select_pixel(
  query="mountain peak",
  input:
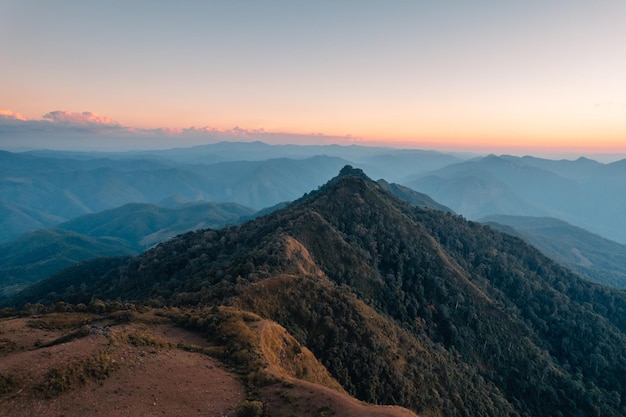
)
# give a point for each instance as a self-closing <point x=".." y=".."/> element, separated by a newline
<point x="349" y="170"/>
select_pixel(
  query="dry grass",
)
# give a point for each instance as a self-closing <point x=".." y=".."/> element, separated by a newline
<point x="302" y="398"/>
<point x="60" y="321"/>
<point x="288" y="359"/>
<point x="68" y="377"/>
<point x="148" y="362"/>
<point x="125" y="370"/>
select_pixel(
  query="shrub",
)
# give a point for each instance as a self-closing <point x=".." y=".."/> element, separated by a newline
<point x="63" y="379"/>
<point x="249" y="408"/>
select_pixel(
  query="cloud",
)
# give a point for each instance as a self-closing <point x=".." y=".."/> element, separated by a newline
<point x="91" y="131"/>
<point x="611" y="105"/>
<point x="61" y="130"/>
<point x="206" y="130"/>
<point x="11" y="115"/>
<point x="83" y="119"/>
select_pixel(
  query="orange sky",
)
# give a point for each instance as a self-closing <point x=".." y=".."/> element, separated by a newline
<point x="477" y="75"/>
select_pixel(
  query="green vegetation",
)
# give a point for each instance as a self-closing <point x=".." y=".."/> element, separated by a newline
<point x="141" y="226"/>
<point x="249" y="409"/>
<point x="593" y="257"/>
<point x="403" y="305"/>
<point x="142" y="339"/>
<point x="39" y="254"/>
<point x="126" y="230"/>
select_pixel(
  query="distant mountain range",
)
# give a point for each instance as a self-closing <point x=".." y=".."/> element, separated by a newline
<point x="382" y="162"/>
<point x="127" y="230"/>
<point x="585" y="193"/>
<point x="592" y="256"/>
<point x="399" y="304"/>
<point x="40" y="189"/>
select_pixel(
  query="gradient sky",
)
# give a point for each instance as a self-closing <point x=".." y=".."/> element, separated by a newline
<point x="485" y="75"/>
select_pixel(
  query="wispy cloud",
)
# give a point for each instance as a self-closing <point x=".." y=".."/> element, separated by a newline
<point x="11" y="115"/>
<point x="611" y="105"/>
<point x="87" y="130"/>
<point x="83" y="119"/>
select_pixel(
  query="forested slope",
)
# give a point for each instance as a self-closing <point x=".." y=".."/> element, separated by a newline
<point x="403" y="305"/>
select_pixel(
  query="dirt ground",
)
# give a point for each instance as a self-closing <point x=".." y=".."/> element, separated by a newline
<point x="148" y="380"/>
<point x="149" y="368"/>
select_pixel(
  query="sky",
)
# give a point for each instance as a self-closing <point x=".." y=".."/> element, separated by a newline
<point x="503" y="76"/>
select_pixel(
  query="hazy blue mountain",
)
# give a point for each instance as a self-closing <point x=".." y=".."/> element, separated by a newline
<point x="473" y="194"/>
<point x="381" y="162"/>
<point x="260" y="184"/>
<point x="41" y="191"/>
<point x="36" y="255"/>
<point x="399" y="162"/>
<point x="125" y="230"/>
<point x="54" y="161"/>
<point x="413" y="197"/>
<point x="592" y="256"/>
<point x="585" y="193"/>
<point x="580" y="168"/>
<point x="143" y="225"/>
<point x="63" y="185"/>
<point x="15" y="221"/>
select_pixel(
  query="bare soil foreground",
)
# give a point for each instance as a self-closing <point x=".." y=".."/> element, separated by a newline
<point x="142" y="364"/>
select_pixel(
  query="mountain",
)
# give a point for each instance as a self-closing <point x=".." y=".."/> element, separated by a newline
<point x="144" y="225"/>
<point x="412" y="197"/>
<point x="583" y="192"/>
<point x="392" y="164"/>
<point x="592" y="256"/>
<point x="37" y="255"/>
<point x="41" y="191"/>
<point x="260" y="184"/>
<point x="400" y="304"/>
<point x="19" y="220"/>
<point x="126" y="230"/>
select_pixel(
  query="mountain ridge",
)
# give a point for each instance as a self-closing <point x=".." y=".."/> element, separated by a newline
<point x="585" y="193"/>
<point x="403" y="305"/>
